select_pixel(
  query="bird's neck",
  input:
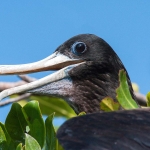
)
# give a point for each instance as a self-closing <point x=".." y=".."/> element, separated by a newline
<point x="91" y="84"/>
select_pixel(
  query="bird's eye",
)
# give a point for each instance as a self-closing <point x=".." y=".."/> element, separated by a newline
<point x="78" y="48"/>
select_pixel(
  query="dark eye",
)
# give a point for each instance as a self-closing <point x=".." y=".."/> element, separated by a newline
<point x="78" y="48"/>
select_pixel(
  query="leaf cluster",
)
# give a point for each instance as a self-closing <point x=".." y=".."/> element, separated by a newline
<point x="25" y="129"/>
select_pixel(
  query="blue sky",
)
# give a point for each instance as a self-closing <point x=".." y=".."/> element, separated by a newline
<point x="32" y="30"/>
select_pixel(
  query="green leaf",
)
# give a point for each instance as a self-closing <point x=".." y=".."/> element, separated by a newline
<point x="82" y="113"/>
<point x="3" y="141"/>
<point x="60" y="147"/>
<point x="19" y="147"/>
<point x="31" y="143"/>
<point x="148" y="99"/>
<point x="49" y="104"/>
<point x="11" y="145"/>
<point x="135" y="87"/>
<point x="51" y="139"/>
<point x="108" y="104"/>
<point x="123" y="94"/>
<point x="35" y="121"/>
<point x="6" y="133"/>
<point x="16" y="124"/>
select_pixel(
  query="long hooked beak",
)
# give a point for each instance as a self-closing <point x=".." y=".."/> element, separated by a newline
<point x="55" y="61"/>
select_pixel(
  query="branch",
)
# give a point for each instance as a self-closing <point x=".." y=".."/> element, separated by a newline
<point x="7" y="85"/>
<point x="26" y="78"/>
<point x="11" y="100"/>
<point x="141" y="99"/>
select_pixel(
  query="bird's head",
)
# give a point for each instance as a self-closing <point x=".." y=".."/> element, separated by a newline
<point x="88" y="72"/>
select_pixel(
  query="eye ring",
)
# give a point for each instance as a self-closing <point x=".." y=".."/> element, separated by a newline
<point x="78" y="48"/>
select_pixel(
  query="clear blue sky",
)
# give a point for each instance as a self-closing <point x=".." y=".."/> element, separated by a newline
<point x="32" y="30"/>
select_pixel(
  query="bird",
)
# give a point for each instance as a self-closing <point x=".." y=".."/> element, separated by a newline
<point x="88" y="71"/>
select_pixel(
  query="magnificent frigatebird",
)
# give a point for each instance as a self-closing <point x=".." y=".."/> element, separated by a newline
<point x="88" y="73"/>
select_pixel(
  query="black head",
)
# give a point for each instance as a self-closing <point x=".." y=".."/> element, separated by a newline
<point x="87" y="47"/>
<point x="98" y="77"/>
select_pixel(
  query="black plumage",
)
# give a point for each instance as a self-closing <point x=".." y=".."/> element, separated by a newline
<point x="121" y="130"/>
